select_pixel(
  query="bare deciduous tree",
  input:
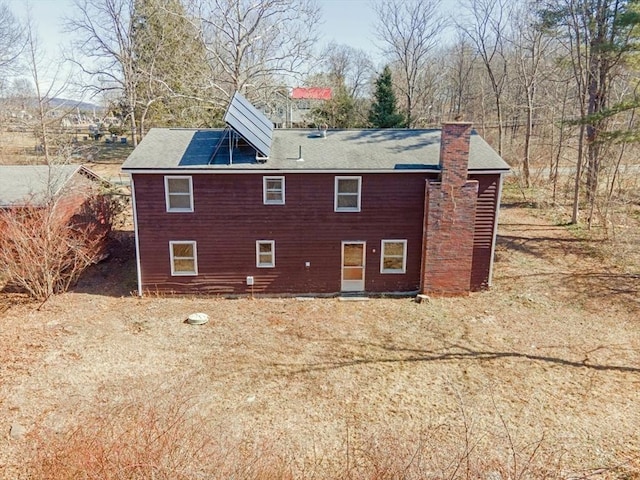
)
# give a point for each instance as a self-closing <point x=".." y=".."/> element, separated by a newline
<point x="486" y="24"/>
<point x="349" y="65"/>
<point x="409" y="32"/>
<point x="596" y="42"/>
<point x="11" y="38"/>
<point x="459" y="69"/>
<point x="530" y="44"/>
<point x="104" y="33"/>
<point x="45" y="246"/>
<point x="256" y="43"/>
<point x="347" y="71"/>
<point x="46" y="114"/>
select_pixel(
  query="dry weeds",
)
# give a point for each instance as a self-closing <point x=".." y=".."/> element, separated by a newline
<point x="538" y="378"/>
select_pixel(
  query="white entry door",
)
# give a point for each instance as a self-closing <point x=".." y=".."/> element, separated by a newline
<point x="353" y="254"/>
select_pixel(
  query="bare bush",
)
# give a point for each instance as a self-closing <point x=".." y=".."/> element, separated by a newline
<point x="44" y="247"/>
<point x="161" y="440"/>
<point x="169" y="438"/>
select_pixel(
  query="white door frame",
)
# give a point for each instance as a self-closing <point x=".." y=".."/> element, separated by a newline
<point x="349" y="285"/>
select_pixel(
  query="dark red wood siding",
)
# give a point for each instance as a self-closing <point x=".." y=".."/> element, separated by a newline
<point x="229" y="216"/>
<point x="486" y="209"/>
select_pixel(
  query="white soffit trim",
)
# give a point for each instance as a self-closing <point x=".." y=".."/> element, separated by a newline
<point x="274" y="172"/>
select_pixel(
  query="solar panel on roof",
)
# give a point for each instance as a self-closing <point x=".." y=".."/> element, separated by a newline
<point x="250" y="123"/>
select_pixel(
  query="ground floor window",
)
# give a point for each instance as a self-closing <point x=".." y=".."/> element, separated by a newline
<point x="183" y="258"/>
<point x="265" y="253"/>
<point x="393" y="256"/>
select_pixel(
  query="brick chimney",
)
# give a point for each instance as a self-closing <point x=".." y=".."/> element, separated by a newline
<point x="454" y="153"/>
<point x="449" y="222"/>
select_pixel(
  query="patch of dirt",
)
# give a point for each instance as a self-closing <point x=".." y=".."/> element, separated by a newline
<point x="549" y="357"/>
<point x="537" y="256"/>
<point x="105" y="159"/>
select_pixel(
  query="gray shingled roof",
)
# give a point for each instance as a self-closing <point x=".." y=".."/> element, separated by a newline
<point x="349" y="150"/>
<point x="32" y="184"/>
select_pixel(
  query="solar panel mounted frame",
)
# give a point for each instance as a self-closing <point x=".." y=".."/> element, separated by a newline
<point x="250" y="123"/>
<point x="218" y="145"/>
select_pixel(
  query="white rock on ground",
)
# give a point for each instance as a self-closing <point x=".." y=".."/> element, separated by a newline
<point x="17" y="431"/>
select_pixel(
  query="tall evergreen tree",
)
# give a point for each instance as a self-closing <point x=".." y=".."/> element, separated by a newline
<point x="171" y="66"/>
<point x="384" y="113"/>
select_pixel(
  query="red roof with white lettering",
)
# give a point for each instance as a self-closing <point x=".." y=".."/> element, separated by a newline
<point x="311" y="93"/>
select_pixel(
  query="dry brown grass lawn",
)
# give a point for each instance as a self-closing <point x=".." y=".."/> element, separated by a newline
<point x="105" y="159"/>
<point x="537" y="378"/>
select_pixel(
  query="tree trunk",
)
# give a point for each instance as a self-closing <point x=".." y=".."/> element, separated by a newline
<point x="499" y="115"/>
<point x="576" y="188"/>
<point x="527" y="139"/>
<point x="553" y="173"/>
<point x="132" y="116"/>
<point x="134" y="132"/>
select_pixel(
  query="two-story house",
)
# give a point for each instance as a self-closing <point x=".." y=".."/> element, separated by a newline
<point x="249" y="209"/>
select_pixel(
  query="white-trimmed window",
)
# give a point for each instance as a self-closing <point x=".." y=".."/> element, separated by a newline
<point x="273" y="190"/>
<point x="178" y="193"/>
<point x="347" y="194"/>
<point x="184" y="258"/>
<point x="265" y="253"/>
<point x="393" y="256"/>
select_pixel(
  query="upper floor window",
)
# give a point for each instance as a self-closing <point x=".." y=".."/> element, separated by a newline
<point x="265" y="253"/>
<point x="393" y="256"/>
<point x="273" y="190"/>
<point x="183" y="258"/>
<point x="347" y="194"/>
<point x="178" y="194"/>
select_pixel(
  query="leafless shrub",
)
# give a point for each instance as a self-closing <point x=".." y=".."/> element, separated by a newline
<point x="44" y="247"/>
<point x="157" y="440"/>
<point x="128" y="444"/>
<point x="452" y="452"/>
<point x="170" y="436"/>
<point x="173" y="441"/>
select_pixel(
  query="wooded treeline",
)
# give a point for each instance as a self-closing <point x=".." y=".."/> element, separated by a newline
<point x="552" y="85"/>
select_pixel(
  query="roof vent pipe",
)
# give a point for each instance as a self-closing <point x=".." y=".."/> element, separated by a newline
<point x="324" y="128"/>
<point x="300" y="159"/>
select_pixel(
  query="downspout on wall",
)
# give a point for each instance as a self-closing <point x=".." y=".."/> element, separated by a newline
<point x="136" y="236"/>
